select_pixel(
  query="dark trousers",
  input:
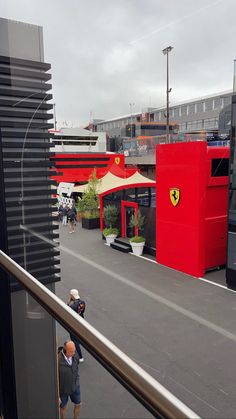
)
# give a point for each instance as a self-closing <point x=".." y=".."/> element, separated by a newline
<point x="77" y="345"/>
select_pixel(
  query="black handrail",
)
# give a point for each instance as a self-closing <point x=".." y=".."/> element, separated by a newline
<point x="156" y="398"/>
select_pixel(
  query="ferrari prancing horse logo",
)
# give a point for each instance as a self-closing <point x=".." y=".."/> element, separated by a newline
<point x="174" y="196"/>
<point x="117" y="160"/>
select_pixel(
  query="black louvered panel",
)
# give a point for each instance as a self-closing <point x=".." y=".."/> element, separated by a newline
<point x="46" y="253"/>
<point x="31" y="217"/>
<point x="27" y="103"/>
<point x="18" y="239"/>
<point x="30" y="134"/>
<point x="25" y="114"/>
<point x="15" y="222"/>
<point x="16" y="174"/>
<point x="21" y="72"/>
<point x="24" y="124"/>
<point x="30" y="182"/>
<point x="30" y="144"/>
<point x="24" y="64"/>
<point x="23" y="94"/>
<point x="30" y="211"/>
<point x="15" y="82"/>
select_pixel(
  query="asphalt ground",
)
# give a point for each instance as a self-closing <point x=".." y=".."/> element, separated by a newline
<point x="179" y="329"/>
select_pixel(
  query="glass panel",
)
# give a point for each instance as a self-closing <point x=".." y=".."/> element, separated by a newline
<point x="220" y="167"/>
<point x="130" y="195"/>
<point x="143" y="197"/>
<point x="38" y="343"/>
<point x="129" y="211"/>
<point x="35" y="358"/>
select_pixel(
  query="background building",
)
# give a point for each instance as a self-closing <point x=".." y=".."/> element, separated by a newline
<point x="190" y="117"/>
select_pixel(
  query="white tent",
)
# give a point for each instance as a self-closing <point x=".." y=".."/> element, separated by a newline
<point x="110" y="181"/>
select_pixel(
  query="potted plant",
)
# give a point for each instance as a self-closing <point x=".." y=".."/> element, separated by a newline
<point x="137" y="242"/>
<point x="89" y="204"/>
<point x="110" y="215"/>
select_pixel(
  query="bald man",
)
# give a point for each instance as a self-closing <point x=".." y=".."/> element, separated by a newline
<point x="68" y="366"/>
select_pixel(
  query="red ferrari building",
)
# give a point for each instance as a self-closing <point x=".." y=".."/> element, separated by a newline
<point x="191" y="206"/>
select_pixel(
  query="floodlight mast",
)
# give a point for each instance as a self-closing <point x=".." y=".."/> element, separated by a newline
<point x="166" y="52"/>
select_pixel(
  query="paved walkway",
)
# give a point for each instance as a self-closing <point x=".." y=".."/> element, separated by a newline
<point x="181" y="330"/>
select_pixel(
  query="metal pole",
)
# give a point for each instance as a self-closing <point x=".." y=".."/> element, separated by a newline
<point x="168" y="90"/>
<point x="167" y="101"/>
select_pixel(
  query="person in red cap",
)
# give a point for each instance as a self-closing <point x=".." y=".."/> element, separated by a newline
<point x="78" y="306"/>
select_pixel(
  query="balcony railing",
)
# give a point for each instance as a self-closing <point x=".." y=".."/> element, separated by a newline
<point x="156" y="398"/>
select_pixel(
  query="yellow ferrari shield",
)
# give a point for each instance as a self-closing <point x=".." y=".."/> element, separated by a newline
<point x="117" y="160"/>
<point x="174" y="196"/>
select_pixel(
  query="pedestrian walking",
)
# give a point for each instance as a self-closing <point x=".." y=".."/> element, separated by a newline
<point x="78" y="305"/>
<point x="71" y="214"/>
<point x="64" y="212"/>
<point x="59" y="212"/>
<point x="69" y="385"/>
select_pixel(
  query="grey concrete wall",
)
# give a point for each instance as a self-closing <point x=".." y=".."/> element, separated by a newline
<point x="21" y="40"/>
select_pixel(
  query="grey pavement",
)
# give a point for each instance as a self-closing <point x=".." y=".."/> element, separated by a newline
<point x="179" y="329"/>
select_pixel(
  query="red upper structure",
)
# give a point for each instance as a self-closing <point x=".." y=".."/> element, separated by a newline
<point x="191" y="210"/>
<point x="77" y="167"/>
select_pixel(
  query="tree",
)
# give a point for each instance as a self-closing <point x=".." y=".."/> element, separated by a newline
<point x="89" y="203"/>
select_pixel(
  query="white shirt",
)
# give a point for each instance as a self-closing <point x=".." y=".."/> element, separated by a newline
<point x="68" y="360"/>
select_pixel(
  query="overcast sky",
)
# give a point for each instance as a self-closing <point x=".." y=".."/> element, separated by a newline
<point x="106" y="54"/>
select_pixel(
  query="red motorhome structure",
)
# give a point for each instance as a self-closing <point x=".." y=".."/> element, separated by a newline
<point x="191" y="206"/>
<point x="77" y="167"/>
<point x="79" y="151"/>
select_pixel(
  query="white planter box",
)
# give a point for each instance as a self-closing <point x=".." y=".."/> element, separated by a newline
<point x="137" y="248"/>
<point x="110" y="238"/>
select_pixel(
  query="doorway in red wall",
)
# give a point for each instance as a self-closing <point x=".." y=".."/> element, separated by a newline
<point x="127" y="210"/>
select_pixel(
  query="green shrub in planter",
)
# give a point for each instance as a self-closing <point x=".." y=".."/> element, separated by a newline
<point x="137" y="220"/>
<point x="108" y="231"/>
<point x="110" y="215"/>
<point x="137" y="239"/>
<point x="89" y="203"/>
<point x="89" y="214"/>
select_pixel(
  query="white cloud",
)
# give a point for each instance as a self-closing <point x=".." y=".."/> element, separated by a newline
<point x="106" y="54"/>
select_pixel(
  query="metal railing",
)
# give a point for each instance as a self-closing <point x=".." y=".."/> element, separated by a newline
<point x="156" y="398"/>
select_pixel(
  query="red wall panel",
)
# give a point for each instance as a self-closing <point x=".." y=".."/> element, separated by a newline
<point x="191" y="236"/>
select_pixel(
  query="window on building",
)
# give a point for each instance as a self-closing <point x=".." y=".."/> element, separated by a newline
<point x="163" y="113"/>
<point x="199" y="106"/>
<point x="208" y="105"/>
<point x="184" y="126"/>
<point x="176" y="112"/>
<point x="220" y="167"/>
<point x="184" y="110"/>
<point x="151" y="117"/>
<point x="217" y="103"/>
<point x="191" y="108"/>
<point x="210" y="123"/>
<point x="143" y="197"/>
<point x="227" y="100"/>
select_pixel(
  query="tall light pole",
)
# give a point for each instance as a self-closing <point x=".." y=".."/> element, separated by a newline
<point x="131" y="119"/>
<point x="168" y="90"/>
